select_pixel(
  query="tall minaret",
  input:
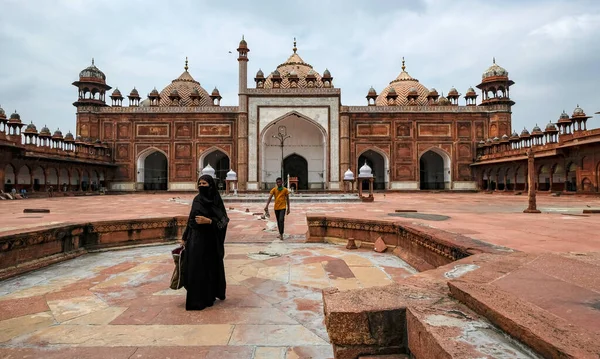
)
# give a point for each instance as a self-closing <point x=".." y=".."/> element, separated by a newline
<point x="242" y="139"/>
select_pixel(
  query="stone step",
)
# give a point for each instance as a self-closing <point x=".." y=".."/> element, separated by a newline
<point x="549" y="302"/>
<point x="542" y="331"/>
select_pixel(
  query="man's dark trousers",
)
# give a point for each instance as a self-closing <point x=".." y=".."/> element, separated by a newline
<point x="280" y="215"/>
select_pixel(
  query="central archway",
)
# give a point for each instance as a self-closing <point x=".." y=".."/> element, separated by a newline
<point x="308" y="140"/>
<point x="295" y="165"/>
<point x="153" y="170"/>
<point x="434" y="167"/>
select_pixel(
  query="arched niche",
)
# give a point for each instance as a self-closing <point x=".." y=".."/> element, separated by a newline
<point x="153" y="170"/>
<point x="379" y="163"/>
<point x="435" y="173"/>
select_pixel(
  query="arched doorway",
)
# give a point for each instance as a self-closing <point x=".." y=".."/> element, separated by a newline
<point x="24" y="178"/>
<point x="434" y="170"/>
<point x="85" y="180"/>
<point x="520" y="179"/>
<point x="544" y="178"/>
<point x="94" y="180"/>
<point x="63" y="179"/>
<point x="9" y="178"/>
<point x="378" y="166"/>
<point x="295" y="165"/>
<point x="307" y="139"/>
<point x="571" y="177"/>
<point x="219" y="161"/>
<point x="75" y="180"/>
<point x="155" y="172"/>
<point x="510" y="179"/>
<point x="558" y="178"/>
<point x="39" y="179"/>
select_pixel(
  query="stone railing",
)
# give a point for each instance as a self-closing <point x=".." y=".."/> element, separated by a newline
<point x="23" y="252"/>
<point x="423" y="248"/>
<point x="421" y="109"/>
<point x="159" y="109"/>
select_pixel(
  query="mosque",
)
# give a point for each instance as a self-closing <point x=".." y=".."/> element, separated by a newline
<point x="292" y="121"/>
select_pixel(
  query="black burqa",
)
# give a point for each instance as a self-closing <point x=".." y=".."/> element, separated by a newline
<point x="205" y="249"/>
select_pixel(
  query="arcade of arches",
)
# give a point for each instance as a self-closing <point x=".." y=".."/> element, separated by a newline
<point x="558" y="175"/>
<point x="33" y="177"/>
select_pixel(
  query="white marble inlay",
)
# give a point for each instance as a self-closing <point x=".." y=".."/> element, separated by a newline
<point x="122" y="186"/>
<point x="182" y="186"/>
<point x="404" y="185"/>
<point x="464" y="185"/>
<point x="272" y="108"/>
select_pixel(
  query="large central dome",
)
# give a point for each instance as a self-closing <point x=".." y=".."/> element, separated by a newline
<point x="295" y="66"/>
<point x="403" y="84"/>
<point x="184" y="86"/>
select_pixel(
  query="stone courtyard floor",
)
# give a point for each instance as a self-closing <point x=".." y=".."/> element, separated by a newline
<point x="116" y="304"/>
<point x="493" y="218"/>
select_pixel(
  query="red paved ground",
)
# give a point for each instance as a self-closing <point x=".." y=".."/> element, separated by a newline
<point x="496" y="218"/>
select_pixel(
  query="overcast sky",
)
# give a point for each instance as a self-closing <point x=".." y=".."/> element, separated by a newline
<point x="550" y="48"/>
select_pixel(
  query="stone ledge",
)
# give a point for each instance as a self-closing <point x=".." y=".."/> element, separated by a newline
<point x="21" y="252"/>
<point x="547" y="334"/>
<point x="436" y="325"/>
<point x="422" y="248"/>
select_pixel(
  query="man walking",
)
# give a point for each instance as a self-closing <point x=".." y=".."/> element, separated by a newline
<point x="282" y="204"/>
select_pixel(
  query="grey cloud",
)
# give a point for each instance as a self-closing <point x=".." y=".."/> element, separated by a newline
<point x="549" y="48"/>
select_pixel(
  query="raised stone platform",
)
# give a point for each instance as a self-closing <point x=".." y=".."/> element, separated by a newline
<point x="417" y="316"/>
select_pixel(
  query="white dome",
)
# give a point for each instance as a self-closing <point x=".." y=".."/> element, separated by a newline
<point x="231" y="175"/>
<point x="365" y="171"/>
<point x="208" y="170"/>
<point x="348" y="175"/>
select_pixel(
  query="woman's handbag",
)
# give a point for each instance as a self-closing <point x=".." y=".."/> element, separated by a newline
<point x="177" y="277"/>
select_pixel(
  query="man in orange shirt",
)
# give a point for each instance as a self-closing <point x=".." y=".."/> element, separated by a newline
<point x="282" y="204"/>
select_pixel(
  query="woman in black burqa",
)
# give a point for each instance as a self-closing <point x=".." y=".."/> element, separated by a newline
<point x="204" y="247"/>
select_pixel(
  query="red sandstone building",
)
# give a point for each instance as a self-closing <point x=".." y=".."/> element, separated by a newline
<point x="409" y="135"/>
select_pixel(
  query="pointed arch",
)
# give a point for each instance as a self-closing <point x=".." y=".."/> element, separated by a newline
<point x="445" y="172"/>
<point x="142" y="158"/>
<point x="52" y="176"/>
<point x="381" y="175"/>
<point x="63" y="179"/>
<point x="10" y="178"/>
<point x="308" y="139"/>
<point x="24" y="175"/>
<point x="39" y="178"/>
<point x="571" y="182"/>
<point x="219" y="160"/>
<point x="296" y="165"/>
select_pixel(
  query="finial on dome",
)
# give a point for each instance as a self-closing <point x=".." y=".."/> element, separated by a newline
<point x="295" y="48"/>
<point x="92" y="60"/>
<point x="403" y="66"/>
<point x="494" y="59"/>
<point x="186" y="64"/>
<point x="242" y="37"/>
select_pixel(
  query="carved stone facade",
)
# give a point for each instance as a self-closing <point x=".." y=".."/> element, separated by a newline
<point x="293" y="123"/>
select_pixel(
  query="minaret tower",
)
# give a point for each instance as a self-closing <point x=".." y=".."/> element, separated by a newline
<point x="92" y="89"/>
<point x="495" y="90"/>
<point x="242" y="140"/>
